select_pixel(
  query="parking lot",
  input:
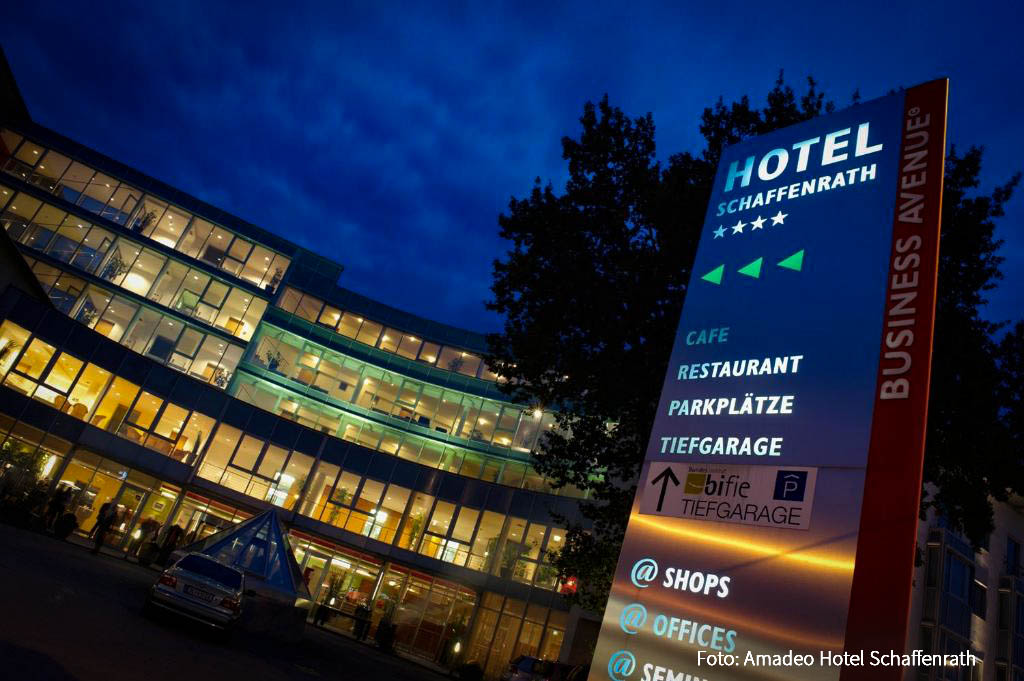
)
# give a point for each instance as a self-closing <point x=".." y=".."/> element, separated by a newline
<point x="70" y="615"/>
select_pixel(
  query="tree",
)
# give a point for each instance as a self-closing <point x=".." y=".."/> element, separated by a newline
<point x="969" y="453"/>
<point x="593" y="284"/>
<point x="591" y="291"/>
<point x="1011" y="361"/>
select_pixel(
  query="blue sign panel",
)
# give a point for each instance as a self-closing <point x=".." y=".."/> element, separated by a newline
<point x="777" y="349"/>
<point x="744" y="536"/>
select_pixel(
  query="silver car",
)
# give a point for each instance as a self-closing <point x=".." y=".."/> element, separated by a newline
<point x="201" y="589"/>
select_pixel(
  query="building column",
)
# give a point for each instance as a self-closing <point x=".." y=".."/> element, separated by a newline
<point x="380" y="580"/>
<point x="580" y="637"/>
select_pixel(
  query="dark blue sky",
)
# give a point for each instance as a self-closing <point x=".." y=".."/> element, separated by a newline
<point x="390" y="136"/>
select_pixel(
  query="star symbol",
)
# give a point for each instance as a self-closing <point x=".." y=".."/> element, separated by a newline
<point x="758" y="223"/>
<point x="779" y="218"/>
<point x="738" y="227"/>
<point x="720" y="232"/>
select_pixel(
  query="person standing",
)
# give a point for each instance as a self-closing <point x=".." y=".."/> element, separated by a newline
<point x="107" y="516"/>
<point x="104" y="509"/>
<point x="58" y="503"/>
<point x="147" y="529"/>
<point x="171" y="540"/>
<point x="363" y="614"/>
<point x="322" y="615"/>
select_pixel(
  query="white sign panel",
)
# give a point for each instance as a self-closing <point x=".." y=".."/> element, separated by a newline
<point x="766" y="496"/>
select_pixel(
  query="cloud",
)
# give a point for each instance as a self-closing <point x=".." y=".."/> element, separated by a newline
<point x="391" y="137"/>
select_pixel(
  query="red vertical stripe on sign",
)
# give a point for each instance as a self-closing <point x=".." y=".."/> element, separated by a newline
<point x="883" y="576"/>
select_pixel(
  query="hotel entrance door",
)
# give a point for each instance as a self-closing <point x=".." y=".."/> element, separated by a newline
<point x="316" y="565"/>
<point x="128" y="502"/>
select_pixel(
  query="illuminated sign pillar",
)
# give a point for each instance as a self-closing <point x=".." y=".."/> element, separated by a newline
<point x="773" y="531"/>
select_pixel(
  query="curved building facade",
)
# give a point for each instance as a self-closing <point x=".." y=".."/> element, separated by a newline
<point x="194" y="369"/>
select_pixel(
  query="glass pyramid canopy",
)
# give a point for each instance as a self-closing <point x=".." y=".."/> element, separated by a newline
<point x="260" y="548"/>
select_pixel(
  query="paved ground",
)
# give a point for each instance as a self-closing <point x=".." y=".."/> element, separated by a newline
<point x="71" y="616"/>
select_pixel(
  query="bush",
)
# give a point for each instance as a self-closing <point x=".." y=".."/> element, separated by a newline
<point x="470" y="671"/>
<point x="65" y="525"/>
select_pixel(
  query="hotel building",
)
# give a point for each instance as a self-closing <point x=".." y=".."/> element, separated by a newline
<point x="195" y="369"/>
<point x="967" y="599"/>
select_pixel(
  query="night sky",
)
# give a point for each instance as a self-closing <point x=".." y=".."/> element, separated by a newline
<point x="390" y="136"/>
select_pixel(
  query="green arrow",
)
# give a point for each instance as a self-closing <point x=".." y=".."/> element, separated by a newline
<point x="753" y="269"/>
<point x="715" y="275"/>
<point x="794" y="262"/>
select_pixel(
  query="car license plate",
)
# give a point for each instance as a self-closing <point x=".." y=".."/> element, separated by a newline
<point x="198" y="593"/>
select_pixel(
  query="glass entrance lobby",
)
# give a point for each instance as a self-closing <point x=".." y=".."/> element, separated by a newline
<point x="141" y="501"/>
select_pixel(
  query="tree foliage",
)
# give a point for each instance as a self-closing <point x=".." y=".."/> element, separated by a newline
<point x="593" y="284"/>
<point x="969" y="455"/>
<point x="1011" y="393"/>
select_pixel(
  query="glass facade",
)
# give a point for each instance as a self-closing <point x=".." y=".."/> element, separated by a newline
<point x="255" y="467"/>
<point x="394" y="440"/>
<point x="29" y="456"/>
<point x="377" y="335"/>
<point x="129" y="265"/>
<point x="200" y="516"/>
<point x="432" y="616"/>
<point x="92" y="394"/>
<point x="507" y="627"/>
<point x="160" y="336"/>
<point x="345" y="381"/>
<point x="381" y="410"/>
<point x="325" y="486"/>
<point x="404" y="479"/>
<point x="331" y="490"/>
<point x="123" y="204"/>
<point x="139" y="499"/>
<point x="954" y="605"/>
